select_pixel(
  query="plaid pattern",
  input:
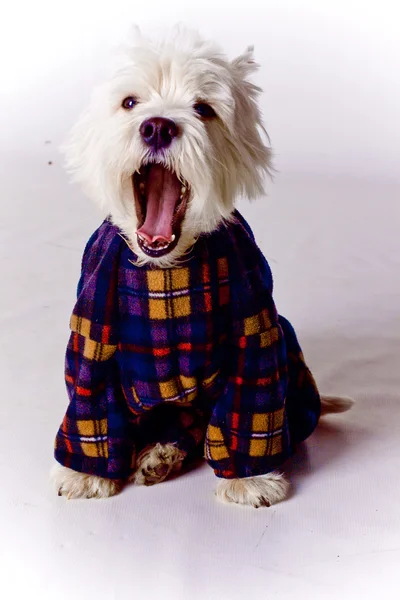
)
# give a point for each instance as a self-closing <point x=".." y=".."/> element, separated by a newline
<point x="176" y="355"/>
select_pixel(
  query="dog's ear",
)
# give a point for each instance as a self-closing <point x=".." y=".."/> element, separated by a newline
<point x="245" y="64"/>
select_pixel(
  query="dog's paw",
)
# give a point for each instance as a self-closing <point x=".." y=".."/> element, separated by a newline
<point x="72" y="484"/>
<point x="254" y="491"/>
<point x="156" y="463"/>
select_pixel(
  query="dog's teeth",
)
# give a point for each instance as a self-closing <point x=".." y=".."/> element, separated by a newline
<point x="157" y="248"/>
<point x="183" y="190"/>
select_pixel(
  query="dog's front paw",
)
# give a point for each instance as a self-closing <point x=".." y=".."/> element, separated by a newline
<point x="156" y="463"/>
<point x="254" y="491"/>
<point x="72" y="484"/>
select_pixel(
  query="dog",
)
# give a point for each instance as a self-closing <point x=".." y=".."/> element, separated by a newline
<point x="167" y="145"/>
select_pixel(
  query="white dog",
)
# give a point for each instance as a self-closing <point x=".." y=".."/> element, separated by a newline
<point x="165" y="148"/>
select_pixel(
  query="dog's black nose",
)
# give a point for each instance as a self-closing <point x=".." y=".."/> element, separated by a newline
<point x="158" y="132"/>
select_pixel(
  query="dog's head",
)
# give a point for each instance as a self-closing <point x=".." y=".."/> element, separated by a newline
<point x="170" y="141"/>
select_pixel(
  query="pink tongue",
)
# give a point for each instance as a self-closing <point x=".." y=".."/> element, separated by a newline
<point x="162" y="193"/>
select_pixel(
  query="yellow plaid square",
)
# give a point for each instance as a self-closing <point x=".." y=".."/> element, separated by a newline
<point x="278" y="418"/>
<point x="90" y="427"/>
<point x="214" y="434"/>
<point x="267" y="338"/>
<point x="95" y="450"/>
<point x="157" y="309"/>
<point x="180" y="278"/>
<point x="170" y="389"/>
<point x="260" y="422"/>
<point x="85" y="427"/>
<point x="215" y="444"/>
<point x="95" y="351"/>
<point x="264" y="446"/>
<point x="156" y="280"/>
<point x="257" y="324"/>
<point x="217" y="452"/>
<point x="268" y="421"/>
<point x="252" y="325"/>
<point x="258" y="447"/>
<point x="90" y="449"/>
<point x="80" y="325"/>
<point x="181" y="306"/>
<point x="187" y="382"/>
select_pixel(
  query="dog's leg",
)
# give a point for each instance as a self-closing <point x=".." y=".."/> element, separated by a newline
<point x="72" y="484"/>
<point x="263" y="490"/>
<point x="156" y="462"/>
<point x="271" y="488"/>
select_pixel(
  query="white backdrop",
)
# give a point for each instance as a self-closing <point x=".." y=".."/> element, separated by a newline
<point x="330" y="229"/>
<point x="329" y="69"/>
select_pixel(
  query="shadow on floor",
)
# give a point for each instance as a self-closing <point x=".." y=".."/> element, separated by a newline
<point x="331" y="443"/>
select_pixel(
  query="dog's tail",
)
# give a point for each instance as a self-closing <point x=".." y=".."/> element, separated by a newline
<point x="335" y="404"/>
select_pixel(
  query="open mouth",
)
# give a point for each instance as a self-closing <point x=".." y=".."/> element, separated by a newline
<point x="161" y="200"/>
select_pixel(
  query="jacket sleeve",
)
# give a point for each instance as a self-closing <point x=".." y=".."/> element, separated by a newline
<point x="248" y="432"/>
<point x="94" y="435"/>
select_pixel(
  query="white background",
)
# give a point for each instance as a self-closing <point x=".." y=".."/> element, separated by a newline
<point x="330" y="229"/>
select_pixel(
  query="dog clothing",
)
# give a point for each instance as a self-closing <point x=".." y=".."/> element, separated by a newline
<point x="179" y="354"/>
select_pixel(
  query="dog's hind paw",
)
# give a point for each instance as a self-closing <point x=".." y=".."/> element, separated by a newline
<point x="156" y="463"/>
<point x="72" y="484"/>
<point x="254" y="491"/>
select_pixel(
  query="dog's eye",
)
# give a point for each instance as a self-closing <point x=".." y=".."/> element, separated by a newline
<point x="204" y="110"/>
<point x="129" y="102"/>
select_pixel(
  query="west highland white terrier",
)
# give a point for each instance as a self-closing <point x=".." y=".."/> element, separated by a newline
<point x="175" y="338"/>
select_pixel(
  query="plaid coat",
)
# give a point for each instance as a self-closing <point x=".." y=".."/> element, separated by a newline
<point x="181" y="354"/>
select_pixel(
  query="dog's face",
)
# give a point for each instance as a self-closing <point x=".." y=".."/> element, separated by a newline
<point x="169" y="143"/>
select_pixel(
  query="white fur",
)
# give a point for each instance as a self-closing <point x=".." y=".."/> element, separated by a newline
<point x="72" y="484"/>
<point x="156" y="463"/>
<point x="221" y="158"/>
<point x="335" y="404"/>
<point x="254" y="491"/>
